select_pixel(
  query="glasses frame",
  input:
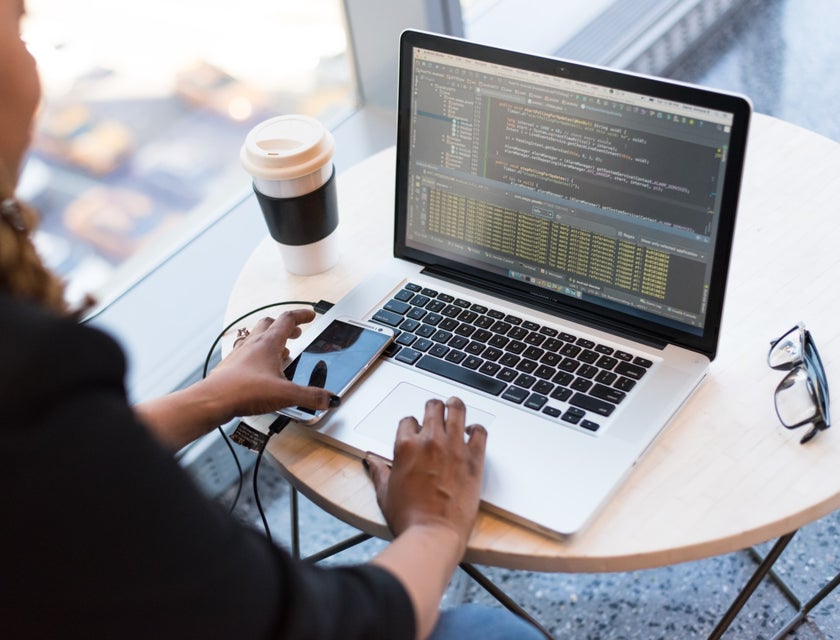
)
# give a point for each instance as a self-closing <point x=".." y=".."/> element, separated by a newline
<point x="810" y="363"/>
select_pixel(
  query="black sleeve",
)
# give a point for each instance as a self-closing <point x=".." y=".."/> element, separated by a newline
<point x="103" y="534"/>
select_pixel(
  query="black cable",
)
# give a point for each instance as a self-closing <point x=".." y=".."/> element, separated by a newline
<point x="276" y="427"/>
<point x="316" y="306"/>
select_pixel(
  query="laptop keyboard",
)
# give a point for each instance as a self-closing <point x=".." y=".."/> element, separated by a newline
<point x="563" y="376"/>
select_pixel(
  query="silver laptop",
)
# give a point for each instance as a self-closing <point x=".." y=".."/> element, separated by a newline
<point x="562" y="240"/>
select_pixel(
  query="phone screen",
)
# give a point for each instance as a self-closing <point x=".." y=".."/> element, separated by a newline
<point x="337" y="356"/>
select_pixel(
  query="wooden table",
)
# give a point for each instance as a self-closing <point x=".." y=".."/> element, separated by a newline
<point x="725" y="475"/>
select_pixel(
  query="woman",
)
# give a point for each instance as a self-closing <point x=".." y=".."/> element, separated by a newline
<point x="106" y="537"/>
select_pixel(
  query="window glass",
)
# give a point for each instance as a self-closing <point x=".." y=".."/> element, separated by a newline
<point x="145" y="107"/>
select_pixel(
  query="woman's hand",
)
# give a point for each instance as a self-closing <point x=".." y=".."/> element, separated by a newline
<point x="437" y="471"/>
<point x="430" y="500"/>
<point x="248" y="381"/>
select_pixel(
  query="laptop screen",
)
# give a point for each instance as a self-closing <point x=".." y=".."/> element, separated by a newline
<point x="592" y="188"/>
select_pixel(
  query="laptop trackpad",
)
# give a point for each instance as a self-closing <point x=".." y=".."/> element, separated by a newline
<point x="408" y="400"/>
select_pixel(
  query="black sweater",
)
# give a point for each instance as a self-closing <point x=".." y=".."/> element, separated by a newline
<point x="104" y="536"/>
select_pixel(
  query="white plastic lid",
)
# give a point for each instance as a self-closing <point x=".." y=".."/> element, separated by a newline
<point x="287" y="147"/>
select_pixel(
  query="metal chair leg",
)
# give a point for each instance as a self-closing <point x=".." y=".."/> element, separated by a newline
<point x="750" y="587"/>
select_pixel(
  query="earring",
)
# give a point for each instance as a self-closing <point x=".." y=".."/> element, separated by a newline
<point x="11" y="212"/>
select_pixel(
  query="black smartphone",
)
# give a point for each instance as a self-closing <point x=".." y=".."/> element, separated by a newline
<point x="335" y="360"/>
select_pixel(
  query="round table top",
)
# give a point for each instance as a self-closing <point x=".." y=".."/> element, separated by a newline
<point x="725" y="474"/>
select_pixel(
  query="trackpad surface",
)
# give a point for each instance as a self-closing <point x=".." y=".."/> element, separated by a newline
<point x="408" y="400"/>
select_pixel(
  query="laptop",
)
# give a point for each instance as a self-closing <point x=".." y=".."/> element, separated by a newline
<point x="562" y="241"/>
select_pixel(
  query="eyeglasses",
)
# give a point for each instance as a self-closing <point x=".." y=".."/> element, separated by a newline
<point x="802" y="395"/>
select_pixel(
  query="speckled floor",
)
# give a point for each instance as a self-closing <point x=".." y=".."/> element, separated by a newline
<point x="783" y="54"/>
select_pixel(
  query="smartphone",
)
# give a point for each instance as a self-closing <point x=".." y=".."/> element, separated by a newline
<point x="335" y="360"/>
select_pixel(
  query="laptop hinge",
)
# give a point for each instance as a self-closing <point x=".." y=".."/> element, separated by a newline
<point x="539" y="303"/>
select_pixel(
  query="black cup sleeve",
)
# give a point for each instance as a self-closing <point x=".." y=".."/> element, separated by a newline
<point x="303" y="219"/>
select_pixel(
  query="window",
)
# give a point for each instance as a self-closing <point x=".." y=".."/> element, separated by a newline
<point x="145" y="107"/>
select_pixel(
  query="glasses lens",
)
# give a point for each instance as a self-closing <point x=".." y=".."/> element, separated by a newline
<point x="795" y="402"/>
<point x="786" y="352"/>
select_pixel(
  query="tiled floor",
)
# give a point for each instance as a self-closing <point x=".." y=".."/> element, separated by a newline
<point x="782" y="53"/>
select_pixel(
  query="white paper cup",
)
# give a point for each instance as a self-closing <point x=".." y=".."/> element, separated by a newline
<point x="290" y="160"/>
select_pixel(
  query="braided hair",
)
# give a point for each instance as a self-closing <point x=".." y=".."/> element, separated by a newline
<point x="23" y="274"/>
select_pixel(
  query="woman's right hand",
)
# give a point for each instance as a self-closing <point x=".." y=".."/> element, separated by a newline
<point x="436" y="476"/>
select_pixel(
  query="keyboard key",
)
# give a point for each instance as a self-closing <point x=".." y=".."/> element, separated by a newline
<point x="442" y="336"/>
<point x="569" y="365"/>
<point x="457" y="373"/>
<point x="471" y="362"/>
<point x="458" y="342"/>
<point x="445" y="297"/>
<point x="448" y="324"/>
<point x="548" y="331"/>
<point x="607" y="393"/>
<point x="490" y="368"/>
<point x="424" y="330"/>
<point x="419" y="301"/>
<point x="433" y="319"/>
<point x="439" y="350"/>
<point x="517" y="333"/>
<point x="467" y="316"/>
<point x="478" y="308"/>
<point x="592" y="404"/>
<point x="509" y="360"/>
<point x="409" y="356"/>
<point x="409" y="325"/>
<point x="602" y="348"/>
<point x="515" y="394"/>
<point x="552" y="344"/>
<point x="491" y="353"/>
<point x="587" y="371"/>
<point x="484" y="322"/>
<point x="573" y="415"/>
<point x="536" y="401"/>
<point x="562" y="378"/>
<point x="498" y="341"/>
<point x="562" y="394"/>
<point x="624" y="384"/>
<point x="551" y="359"/>
<point x="482" y="335"/>
<point x="451" y="311"/>
<point x="581" y="384"/>
<point x="513" y="319"/>
<point x="496" y="315"/>
<point x="551" y="411"/>
<point x="406" y="339"/>
<point x="534" y="353"/>
<point x="642" y="362"/>
<point x="455" y="356"/>
<point x="585" y="343"/>
<point x="475" y="348"/>
<point x="606" y="362"/>
<point x="588" y="424"/>
<point x="567" y="337"/>
<point x="526" y="366"/>
<point x="465" y="329"/>
<point x="423" y="344"/>
<point x="623" y="355"/>
<point x="630" y="370"/>
<point x="429" y="292"/>
<point x="606" y="377"/>
<point x="569" y="350"/>
<point x="507" y="374"/>
<point x="464" y="304"/>
<point x="535" y="339"/>
<point x="416" y="313"/>
<point x="544" y="387"/>
<point x="413" y="287"/>
<point x="404" y="294"/>
<point x="501" y="327"/>
<point x="588" y="356"/>
<point x="544" y="372"/>
<point x="514" y="346"/>
<point x="387" y="317"/>
<point x="435" y="306"/>
<point x="525" y="381"/>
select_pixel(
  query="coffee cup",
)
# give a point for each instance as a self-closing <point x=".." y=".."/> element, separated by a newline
<point x="290" y="160"/>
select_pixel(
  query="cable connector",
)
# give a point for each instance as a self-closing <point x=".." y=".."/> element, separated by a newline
<point x="322" y="306"/>
<point x="278" y="425"/>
